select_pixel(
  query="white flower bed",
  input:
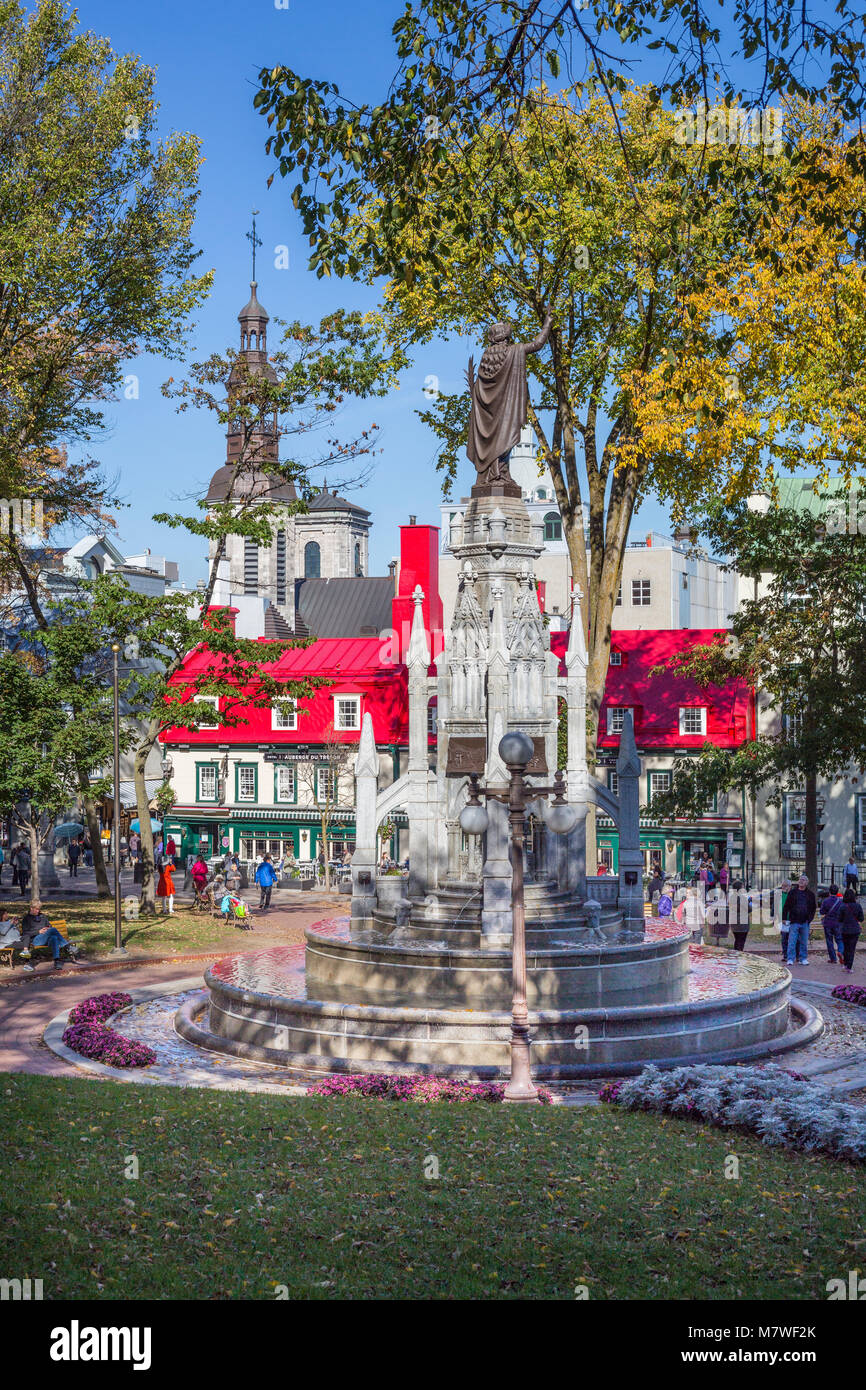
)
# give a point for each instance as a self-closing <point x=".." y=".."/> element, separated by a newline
<point x="777" y="1105"/>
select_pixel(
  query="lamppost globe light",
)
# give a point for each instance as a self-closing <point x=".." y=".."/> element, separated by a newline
<point x="474" y="820"/>
<point x="516" y="748"/>
<point x="561" y="819"/>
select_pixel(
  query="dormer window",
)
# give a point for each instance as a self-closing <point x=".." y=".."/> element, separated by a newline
<point x="693" y="719"/>
<point x="615" y="658"/>
<point x="616" y="718"/>
<point x="347" y="712"/>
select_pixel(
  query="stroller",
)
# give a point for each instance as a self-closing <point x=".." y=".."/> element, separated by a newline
<point x="233" y="906"/>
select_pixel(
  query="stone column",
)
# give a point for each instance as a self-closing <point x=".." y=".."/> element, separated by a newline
<point x="573" y="876"/>
<point x="496" y="877"/>
<point x="364" y="859"/>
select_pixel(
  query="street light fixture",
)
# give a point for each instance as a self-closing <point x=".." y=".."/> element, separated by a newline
<point x="119" y="949"/>
<point x="516" y="750"/>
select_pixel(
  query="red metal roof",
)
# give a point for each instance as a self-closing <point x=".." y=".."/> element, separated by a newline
<point x="657" y="700"/>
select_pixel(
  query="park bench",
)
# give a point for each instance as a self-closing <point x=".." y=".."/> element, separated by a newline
<point x="8" y="954"/>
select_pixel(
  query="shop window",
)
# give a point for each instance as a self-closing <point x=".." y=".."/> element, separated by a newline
<point x="286" y="784"/>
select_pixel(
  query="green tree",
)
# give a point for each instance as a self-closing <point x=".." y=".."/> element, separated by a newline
<point x="96" y="266"/>
<point x="462" y="65"/>
<point x="45" y="741"/>
<point x="800" y="641"/>
<point x="639" y="391"/>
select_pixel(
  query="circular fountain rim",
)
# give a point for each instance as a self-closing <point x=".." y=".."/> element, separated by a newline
<point x="395" y="1013"/>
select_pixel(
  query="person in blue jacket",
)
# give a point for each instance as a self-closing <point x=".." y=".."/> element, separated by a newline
<point x="266" y="877"/>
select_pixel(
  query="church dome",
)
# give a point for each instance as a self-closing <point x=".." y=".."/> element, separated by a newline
<point x="252" y="484"/>
<point x="326" y="501"/>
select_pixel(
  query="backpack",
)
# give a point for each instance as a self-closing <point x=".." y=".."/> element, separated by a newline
<point x="710" y="876"/>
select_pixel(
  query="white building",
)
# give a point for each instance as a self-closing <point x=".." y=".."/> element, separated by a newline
<point x="666" y="582"/>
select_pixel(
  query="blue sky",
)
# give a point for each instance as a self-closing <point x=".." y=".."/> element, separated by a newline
<point x="208" y="54"/>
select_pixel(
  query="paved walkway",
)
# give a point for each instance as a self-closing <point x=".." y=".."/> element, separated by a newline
<point x="30" y="999"/>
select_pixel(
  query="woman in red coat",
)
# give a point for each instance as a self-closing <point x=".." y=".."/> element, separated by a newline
<point x="165" y="888"/>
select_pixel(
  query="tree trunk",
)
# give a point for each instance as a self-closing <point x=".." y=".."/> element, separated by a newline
<point x="326" y="854"/>
<point x="147" y="902"/>
<point x="103" y="889"/>
<point x="33" y="837"/>
<point x="811" y="830"/>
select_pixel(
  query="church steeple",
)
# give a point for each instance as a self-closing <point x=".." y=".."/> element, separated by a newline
<point x="253" y="319"/>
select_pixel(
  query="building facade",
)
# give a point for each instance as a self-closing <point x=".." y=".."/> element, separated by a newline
<point x="673" y="718"/>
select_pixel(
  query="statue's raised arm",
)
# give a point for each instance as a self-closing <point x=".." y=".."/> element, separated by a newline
<point x="541" y="338"/>
<point x="499" y="402"/>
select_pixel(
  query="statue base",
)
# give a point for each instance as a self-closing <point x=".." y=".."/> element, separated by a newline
<point x="505" y="489"/>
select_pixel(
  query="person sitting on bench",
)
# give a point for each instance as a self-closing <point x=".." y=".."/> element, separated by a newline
<point x="36" y="930"/>
<point x="9" y="933"/>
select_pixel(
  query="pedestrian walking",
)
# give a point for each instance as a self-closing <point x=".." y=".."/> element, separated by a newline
<point x="13" y="860"/>
<point x="852" y="876"/>
<point x="739" y="913"/>
<point x="266" y="877"/>
<point x="852" y="920"/>
<point x="655" y="886"/>
<point x="831" y="916"/>
<point x="199" y="874"/>
<point x="165" y="887"/>
<point x="800" y="907"/>
<point x="74" y="853"/>
<point x="24" y="866"/>
<point x="724" y="876"/>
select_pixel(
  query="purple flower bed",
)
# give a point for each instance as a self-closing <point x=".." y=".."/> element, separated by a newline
<point x="98" y="1007"/>
<point x="852" y="994"/>
<point x="88" y="1035"/>
<point x="415" y="1088"/>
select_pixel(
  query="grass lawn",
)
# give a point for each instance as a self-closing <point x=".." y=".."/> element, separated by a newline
<point x="237" y="1195"/>
<point x="90" y="922"/>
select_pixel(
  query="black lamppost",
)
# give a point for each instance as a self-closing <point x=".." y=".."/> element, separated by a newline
<point x="517" y="750"/>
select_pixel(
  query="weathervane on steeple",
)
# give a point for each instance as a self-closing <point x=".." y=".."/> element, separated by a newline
<point x="254" y="241"/>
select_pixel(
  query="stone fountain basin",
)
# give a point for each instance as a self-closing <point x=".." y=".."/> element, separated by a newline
<point x="737" y="1009"/>
<point x="652" y="971"/>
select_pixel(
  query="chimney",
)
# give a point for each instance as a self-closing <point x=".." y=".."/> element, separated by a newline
<point x="419" y="564"/>
<point x="228" y="616"/>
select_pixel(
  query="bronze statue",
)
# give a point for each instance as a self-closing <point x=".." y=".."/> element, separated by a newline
<point x="499" y="397"/>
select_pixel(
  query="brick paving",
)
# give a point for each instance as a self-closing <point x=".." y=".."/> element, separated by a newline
<point x="29" y="1000"/>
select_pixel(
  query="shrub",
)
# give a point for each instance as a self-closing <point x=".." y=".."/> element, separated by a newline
<point x="780" y="1106"/>
<point x="852" y="994"/>
<point x="87" y="1034"/>
<point x="414" y="1088"/>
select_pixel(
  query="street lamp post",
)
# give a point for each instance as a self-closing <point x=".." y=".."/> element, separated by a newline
<point x="516" y="750"/>
<point x="119" y="949"/>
